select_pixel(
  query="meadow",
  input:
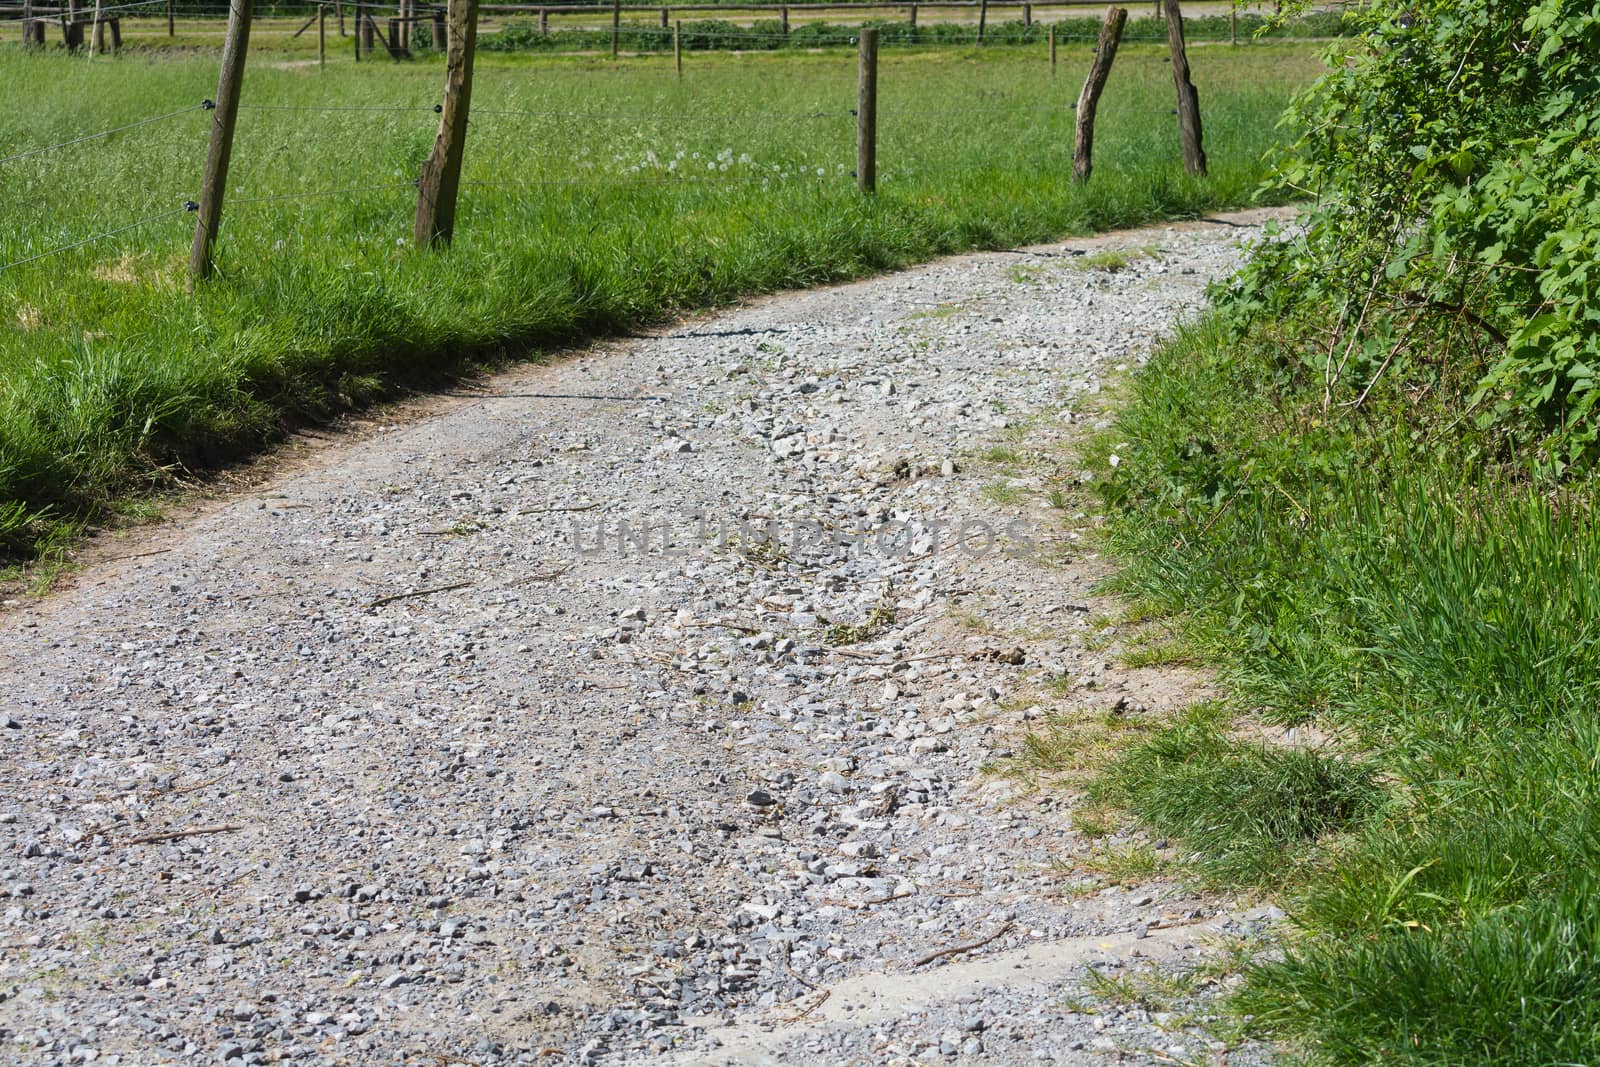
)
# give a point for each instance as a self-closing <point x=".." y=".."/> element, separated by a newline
<point x="597" y="196"/>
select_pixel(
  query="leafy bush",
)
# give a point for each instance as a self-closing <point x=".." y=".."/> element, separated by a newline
<point x="1451" y="150"/>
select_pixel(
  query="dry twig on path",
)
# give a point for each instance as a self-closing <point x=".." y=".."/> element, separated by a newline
<point x="956" y="950"/>
<point x="381" y="601"/>
<point x="173" y="835"/>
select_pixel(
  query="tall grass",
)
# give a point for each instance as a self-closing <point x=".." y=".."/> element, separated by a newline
<point x="596" y="196"/>
<point x="1374" y="577"/>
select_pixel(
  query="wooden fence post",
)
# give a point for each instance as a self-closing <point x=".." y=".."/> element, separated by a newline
<point x="783" y="18"/>
<point x="1027" y="15"/>
<point x="1194" y="153"/>
<point x="115" y="24"/>
<point x="913" y="16"/>
<point x="97" y="35"/>
<point x="369" y="30"/>
<point x="172" y="29"/>
<point x="322" y="35"/>
<point x="983" y="18"/>
<point x="439" y="32"/>
<point x="616" y="25"/>
<point x="1052" y="50"/>
<point x="677" y="46"/>
<point x="666" y="17"/>
<point x="544" y="21"/>
<point x="212" y="187"/>
<point x="441" y="174"/>
<point x="338" y="12"/>
<point x="1233" y="24"/>
<point x="396" y="42"/>
<point x="1105" y="51"/>
<point x="867" y="114"/>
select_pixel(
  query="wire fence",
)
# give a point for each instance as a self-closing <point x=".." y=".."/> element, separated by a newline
<point x="679" y="172"/>
<point x="669" y="177"/>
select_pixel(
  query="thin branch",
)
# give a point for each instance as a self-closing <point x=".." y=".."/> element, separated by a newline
<point x="174" y="835"/>
<point x="957" y="950"/>
<point x="381" y="601"/>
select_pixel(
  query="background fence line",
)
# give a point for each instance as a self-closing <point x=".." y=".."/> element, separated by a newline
<point x="864" y="117"/>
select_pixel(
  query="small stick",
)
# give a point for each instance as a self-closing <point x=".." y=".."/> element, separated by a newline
<point x="381" y="601"/>
<point x="814" y="1006"/>
<point x="797" y="978"/>
<point x="857" y="905"/>
<point x="173" y="835"/>
<point x="552" y="576"/>
<point x="137" y="555"/>
<point x="157" y="795"/>
<point x="957" y="950"/>
<point x="724" y="626"/>
<point x="550" y="511"/>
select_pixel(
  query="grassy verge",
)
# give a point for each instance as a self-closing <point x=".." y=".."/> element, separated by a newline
<point x="597" y="196"/>
<point x="1367" y="571"/>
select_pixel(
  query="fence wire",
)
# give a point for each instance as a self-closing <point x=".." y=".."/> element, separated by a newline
<point x="104" y="133"/>
<point x="97" y="237"/>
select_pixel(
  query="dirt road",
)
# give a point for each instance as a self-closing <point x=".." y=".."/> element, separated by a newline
<point x="632" y="707"/>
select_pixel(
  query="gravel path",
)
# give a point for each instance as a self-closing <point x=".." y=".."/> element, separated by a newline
<point x="632" y="709"/>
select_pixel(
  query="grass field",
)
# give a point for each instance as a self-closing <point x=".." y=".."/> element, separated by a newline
<point x="597" y="196"/>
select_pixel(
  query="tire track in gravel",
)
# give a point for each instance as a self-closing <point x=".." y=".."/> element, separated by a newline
<point x="677" y="724"/>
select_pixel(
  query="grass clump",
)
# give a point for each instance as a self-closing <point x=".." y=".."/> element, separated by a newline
<point x="1248" y="809"/>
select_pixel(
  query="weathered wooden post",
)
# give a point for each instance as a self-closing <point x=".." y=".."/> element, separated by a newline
<point x="544" y="21"/>
<point x="1105" y="51"/>
<point x="439" y="32"/>
<point x="441" y="174"/>
<point x="115" y="25"/>
<point x="783" y="19"/>
<point x="396" y="42"/>
<point x="1233" y="24"/>
<point x="913" y="16"/>
<point x="1194" y="153"/>
<point x="223" y="115"/>
<point x="1052" y="51"/>
<point x="97" y="35"/>
<point x="983" y="18"/>
<point x="322" y="35"/>
<point x="369" y="31"/>
<point x="1027" y="15"/>
<point x="666" y="17"/>
<point x="338" y="12"/>
<point x="867" y="114"/>
<point x="677" y="45"/>
<point x="616" y="25"/>
<point x="172" y="28"/>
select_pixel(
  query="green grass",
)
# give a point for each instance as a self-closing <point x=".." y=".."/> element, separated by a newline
<point x="598" y="196"/>
<point x="1380" y="574"/>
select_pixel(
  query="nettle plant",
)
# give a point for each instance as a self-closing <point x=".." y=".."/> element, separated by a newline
<point x="1450" y="154"/>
